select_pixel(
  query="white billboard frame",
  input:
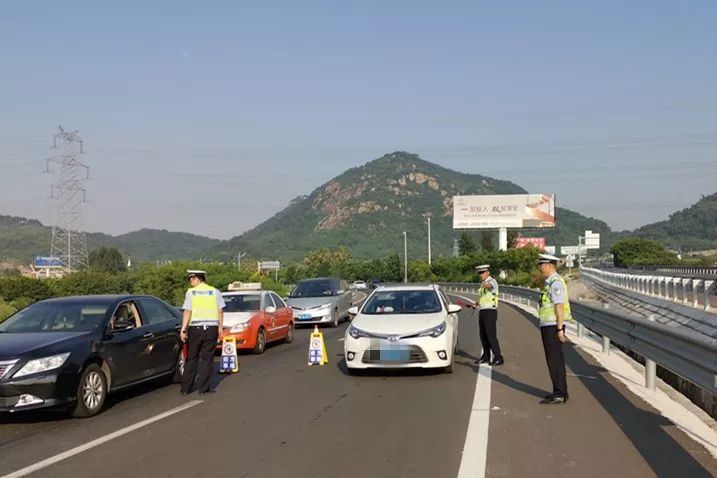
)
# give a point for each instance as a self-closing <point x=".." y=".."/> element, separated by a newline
<point x="502" y="211"/>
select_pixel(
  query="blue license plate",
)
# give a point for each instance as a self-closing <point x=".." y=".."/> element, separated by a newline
<point x="304" y="316"/>
<point x="394" y="355"/>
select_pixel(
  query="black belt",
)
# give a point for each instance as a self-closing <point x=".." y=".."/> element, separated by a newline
<point x="204" y="326"/>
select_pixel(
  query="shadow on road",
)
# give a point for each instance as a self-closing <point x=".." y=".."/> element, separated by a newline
<point x="646" y="429"/>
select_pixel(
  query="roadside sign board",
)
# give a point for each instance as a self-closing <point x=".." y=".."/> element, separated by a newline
<point x="572" y="250"/>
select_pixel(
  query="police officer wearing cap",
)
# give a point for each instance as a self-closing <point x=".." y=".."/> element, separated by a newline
<point x="553" y="312"/>
<point x="488" y="317"/>
<point x="201" y="325"/>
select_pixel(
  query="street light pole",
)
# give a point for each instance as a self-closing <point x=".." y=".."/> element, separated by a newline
<point x="405" y="258"/>
<point x="429" y="240"/>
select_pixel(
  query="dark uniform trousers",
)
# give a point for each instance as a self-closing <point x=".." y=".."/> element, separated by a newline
<point x="555" y="359"/>
<point x="487" y="323"/>
<point x="201" y="343"/>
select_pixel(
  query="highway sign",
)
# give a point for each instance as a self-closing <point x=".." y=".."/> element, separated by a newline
<point x="269" y="265"/>
<point x="572" y="250"/>
<point x="592" y="240"/>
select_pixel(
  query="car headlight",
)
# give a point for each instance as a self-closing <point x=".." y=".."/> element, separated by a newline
<point x="356" y="333"/>
<point x="436" y="331"/>
<point x="240" y="327"/>
<point x="42" y="365"/>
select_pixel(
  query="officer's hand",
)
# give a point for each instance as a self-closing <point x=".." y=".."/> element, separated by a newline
<point x="183" y="335"/>
<point x="561" y="337"/>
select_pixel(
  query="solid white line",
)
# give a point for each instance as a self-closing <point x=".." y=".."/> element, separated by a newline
<point x="475" y="451"/>
<point x="79" y="449"/>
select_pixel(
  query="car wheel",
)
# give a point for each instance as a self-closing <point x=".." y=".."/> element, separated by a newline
<point x="335" y="318"/>
<point x="91" y="392"/>
<point x="178" y="368"/>
<point x="290" y="334"/>
<point x="260" y="342"/>
<point x="449" y="369"/>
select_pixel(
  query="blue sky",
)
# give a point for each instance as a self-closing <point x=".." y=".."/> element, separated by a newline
<point x="232" y="109"/>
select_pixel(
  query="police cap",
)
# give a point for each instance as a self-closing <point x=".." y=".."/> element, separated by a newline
<point x="196" y="273"/>
<point x="547" y="259"/>
<point x="482" y="268"/>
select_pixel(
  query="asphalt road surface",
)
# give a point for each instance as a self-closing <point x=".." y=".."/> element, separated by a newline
<point x="278" y="417"/>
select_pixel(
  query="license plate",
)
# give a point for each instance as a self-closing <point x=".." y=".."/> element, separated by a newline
<point x="394" y="355"/>
<point x="304" y="316"/>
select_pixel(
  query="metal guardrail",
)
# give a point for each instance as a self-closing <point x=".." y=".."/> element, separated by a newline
<point x="691" y="357"/>
<point x="658" y="286"/>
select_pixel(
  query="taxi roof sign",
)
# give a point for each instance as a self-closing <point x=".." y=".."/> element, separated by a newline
<point x="244" y="286"/>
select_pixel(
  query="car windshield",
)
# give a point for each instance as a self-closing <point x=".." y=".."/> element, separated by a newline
<point x="242" y="303"/>
<point x="314" y="288"/>
<point x="403" y="302"/>
<point x="56" y="317"/>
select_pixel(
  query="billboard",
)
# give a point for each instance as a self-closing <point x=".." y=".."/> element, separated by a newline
<point x="573" y="250"/>
<point x="505" y="210"/>
<point x="537" y="242"/>
<point x="592" y="240"/>
<point x="48" y="261"/>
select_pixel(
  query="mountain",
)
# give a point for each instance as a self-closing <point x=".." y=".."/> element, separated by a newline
<point x="21" y="239"/>
<point x="367" y="208"/>
<point x="693" y="228"/>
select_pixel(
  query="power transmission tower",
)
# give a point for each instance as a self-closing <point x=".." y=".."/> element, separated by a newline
<point x="68" y="241"/>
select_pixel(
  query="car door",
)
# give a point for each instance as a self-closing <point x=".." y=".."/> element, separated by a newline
<point x="270" y="319"/>
<point x="125" y="348"/>
<point x="283" y="316"/>
<point x="164" y="326"/>
<point x="346" y="298"/>
<point x="452" y="318"/>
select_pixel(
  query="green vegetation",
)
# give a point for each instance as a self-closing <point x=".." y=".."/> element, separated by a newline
<point x="693" y="228"/>
<point x="107" y="259"/>
<point x="634" y="251"/>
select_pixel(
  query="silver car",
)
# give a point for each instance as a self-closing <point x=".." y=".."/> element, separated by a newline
<point x="325" y="300"/>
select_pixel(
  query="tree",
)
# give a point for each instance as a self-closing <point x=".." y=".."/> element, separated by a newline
<point x="512" y="236"/>
<point x="637" y="251"/>
<point x="486" y="241"/>
<point x="13" y="288"/>
<point x="107" y="259"/>
<point x="466" y="245"/>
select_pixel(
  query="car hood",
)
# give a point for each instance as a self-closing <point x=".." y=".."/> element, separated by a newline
<point x="234" y="318"/>
<point x="13" y="346"/>
<point x="310" y="302"/>
<point x="397" y="324"/>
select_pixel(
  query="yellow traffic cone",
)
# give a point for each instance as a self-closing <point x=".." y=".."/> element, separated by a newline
<point x="317" y="348"/>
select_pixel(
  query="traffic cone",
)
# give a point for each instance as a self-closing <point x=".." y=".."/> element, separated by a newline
<point x="317" y="348"/>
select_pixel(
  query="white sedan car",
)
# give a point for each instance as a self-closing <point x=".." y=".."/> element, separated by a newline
<point x="412" y="326"/>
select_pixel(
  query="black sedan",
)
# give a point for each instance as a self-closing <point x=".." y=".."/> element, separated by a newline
<point x="73" y="351"/>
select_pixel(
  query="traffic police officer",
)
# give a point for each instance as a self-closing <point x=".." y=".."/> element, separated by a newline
<point x="553" y="312"/>
<point x="201" y="325"/>
<point x="488" y="317"/>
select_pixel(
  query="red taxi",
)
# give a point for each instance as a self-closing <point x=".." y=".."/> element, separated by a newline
<point x="256" y="317"/>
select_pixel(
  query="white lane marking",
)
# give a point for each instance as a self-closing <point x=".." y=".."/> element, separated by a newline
<point x="475" y="450"/>
<point x="79" y="449"/>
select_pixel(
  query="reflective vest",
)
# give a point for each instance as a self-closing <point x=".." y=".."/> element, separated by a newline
<point x="546" y="313"/>
<point x="204" y="304"/>
<point x="488" y="298"/>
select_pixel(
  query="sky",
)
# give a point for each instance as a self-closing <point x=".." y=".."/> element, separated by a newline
<point x="210" y="117"/>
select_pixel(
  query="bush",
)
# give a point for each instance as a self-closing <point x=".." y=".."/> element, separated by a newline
<point x="6" y="310"/>
<point x="12" y="288"/>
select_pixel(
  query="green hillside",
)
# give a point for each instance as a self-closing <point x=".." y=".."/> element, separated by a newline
<point x="367" y="208"/>
<point x="21" y="239"/>
<point x="693" y="228"/>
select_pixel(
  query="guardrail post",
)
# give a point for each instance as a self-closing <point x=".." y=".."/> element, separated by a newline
<point x="650" y="367"/>
<point x="581" y="330"/>
<point x="695" y="286"/>
<point x="684" y="290"/>
<point x="605" y="344"/>
<point x="708" y="286"/>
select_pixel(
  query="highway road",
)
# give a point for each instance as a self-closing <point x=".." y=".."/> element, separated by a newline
<point x="278" y="417"/>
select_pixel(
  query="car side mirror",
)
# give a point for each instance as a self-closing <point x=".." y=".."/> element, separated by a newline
<point x="122" y="326"/>
<point x="454" y="308"/>
<point x="270" y="310"/>
<point x="353" y="311"/>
